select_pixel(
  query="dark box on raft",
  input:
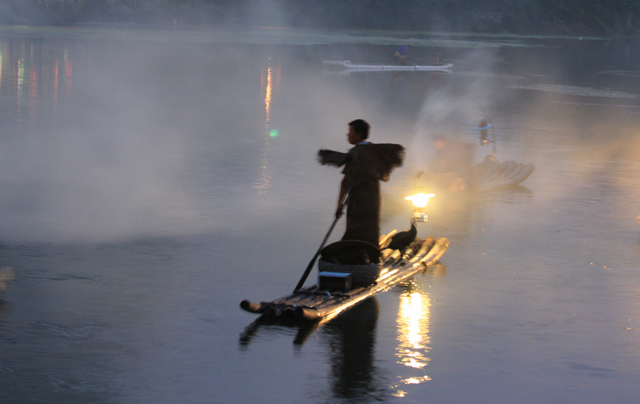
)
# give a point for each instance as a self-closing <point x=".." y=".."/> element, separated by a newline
<point x="314" y="303"/>
<point x="341" y="281"/>
<point x="361" y="275"/>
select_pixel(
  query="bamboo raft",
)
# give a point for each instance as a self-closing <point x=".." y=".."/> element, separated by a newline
<point x="313" y="303"/>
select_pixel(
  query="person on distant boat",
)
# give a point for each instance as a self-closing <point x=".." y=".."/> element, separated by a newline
<point x="365" y="165"/>
<point x="484" y="132"/>
<point x="453" y="165"/>
<point x="402" y="55"/>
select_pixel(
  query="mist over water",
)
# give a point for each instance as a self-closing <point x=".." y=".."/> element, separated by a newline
<point x="449" y="114"/>
<point x="118" y="145"/>
<point x="149" y="186"/>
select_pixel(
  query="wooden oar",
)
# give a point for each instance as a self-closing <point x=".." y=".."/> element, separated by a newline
<point x="315" y="257"/>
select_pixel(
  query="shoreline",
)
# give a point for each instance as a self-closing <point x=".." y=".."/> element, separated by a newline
<point x="282" y="36"/>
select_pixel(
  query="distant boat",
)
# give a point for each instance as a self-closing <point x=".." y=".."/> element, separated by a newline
<point x="392" y="68"/>
<point x="489" y="175"/>
<point x="493" y="175"/>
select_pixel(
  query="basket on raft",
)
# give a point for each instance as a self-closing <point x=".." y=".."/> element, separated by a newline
<point x="358" y="258"/>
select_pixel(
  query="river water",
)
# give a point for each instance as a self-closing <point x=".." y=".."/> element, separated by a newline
<point x="152" y="180"/>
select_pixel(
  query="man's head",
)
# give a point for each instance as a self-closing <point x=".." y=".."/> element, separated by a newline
<point x="358" y="131"/>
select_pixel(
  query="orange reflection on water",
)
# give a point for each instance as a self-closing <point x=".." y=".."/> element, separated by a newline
<point x="413" y="335"/>
<point x="267" y="97"/>
<point x="29" y="76"/>
<point x="269" y="83"/>
<point x="413" y="329"/>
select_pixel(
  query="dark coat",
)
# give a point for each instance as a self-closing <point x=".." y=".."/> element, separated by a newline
<point x="364" y="167"/>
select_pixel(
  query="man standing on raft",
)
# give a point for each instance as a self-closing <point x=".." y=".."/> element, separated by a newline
<point x="365" y="165"/>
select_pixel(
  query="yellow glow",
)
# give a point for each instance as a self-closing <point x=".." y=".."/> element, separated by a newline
<point x="413" y="338"/>
<point x="414" y="363"/>
<point x="413" y="330"/>
<point x="420" y="200"/>
<point x="416" y="380"/>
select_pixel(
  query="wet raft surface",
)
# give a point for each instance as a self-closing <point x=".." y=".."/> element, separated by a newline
<point x="313" y="303"/>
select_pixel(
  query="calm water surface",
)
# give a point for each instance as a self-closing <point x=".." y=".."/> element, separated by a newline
<point x="149" y="186"/>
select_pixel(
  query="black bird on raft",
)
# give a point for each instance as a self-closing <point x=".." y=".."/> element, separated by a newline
<point x="401" y="240"/>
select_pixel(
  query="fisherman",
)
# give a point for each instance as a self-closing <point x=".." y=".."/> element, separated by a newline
<point x="483" y="127"/>
<point x="402" y="55"/>
<point x="364" y="166"/>
<point x="453" y="165"/>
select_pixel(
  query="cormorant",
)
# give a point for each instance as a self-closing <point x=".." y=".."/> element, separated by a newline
<point x="401" y="240"/>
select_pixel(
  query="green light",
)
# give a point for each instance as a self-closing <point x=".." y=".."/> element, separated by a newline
<point x="273" y="133"/>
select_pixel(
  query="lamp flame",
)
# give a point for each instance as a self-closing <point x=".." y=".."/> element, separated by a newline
<point x="420" y="200"/>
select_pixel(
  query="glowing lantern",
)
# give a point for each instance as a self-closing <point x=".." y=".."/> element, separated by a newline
<point x="420" y="202"/>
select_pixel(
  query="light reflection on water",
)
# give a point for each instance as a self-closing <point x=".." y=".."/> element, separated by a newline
<point x="269" y="85"/>
<point x="413" y="337"/>
<point x="413" y="330"/>
<point x="30" y="73"/>
<point x="413" y="333"/>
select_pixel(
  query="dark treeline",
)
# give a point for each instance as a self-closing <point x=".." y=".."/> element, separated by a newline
<point x="548" y="17"/>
